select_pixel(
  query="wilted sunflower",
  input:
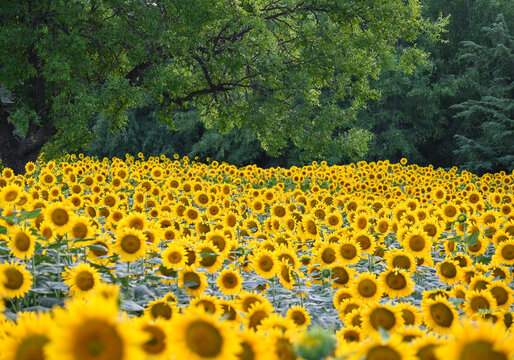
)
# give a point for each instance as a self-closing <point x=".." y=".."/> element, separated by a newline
<point x="16" y="279"/>
<point x="81" y="279"/>
<point x="200" y="336"/>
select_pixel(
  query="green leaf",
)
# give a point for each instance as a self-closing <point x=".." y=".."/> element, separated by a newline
<point x="455" y="239"/>
<point x="26" y="215"/>
<point x="3" y="230"/>
<point x="97" y="248"/>
<point x="472" y="239"/>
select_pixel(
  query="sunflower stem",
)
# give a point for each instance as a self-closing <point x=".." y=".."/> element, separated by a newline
<point x="273" y="290"/>
<point x="127" y="279"/>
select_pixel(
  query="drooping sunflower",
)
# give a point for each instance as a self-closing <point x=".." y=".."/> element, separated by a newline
<point x="229" y="281"/>
<point x="92" y="330"/>
<point x="194" y="282"/>
<point x="477" y="340"/>
<point x="21" y="242"/>
<point x="16" y="279"/>
<point x="130" y="244"/>
<point x="201" y="336"/>
<point x="396" y="283"/>
<point x="377" y="316"/>
<point x="82" y="279"/>
<point x="439" y="314"/>
<point x="367" y="288"/>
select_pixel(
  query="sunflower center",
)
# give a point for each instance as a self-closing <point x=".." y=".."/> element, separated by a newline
<point x="351" y="336"/>
<point x="479" y="302"/>
<point x="427" y="352"/>
<point x="417" y="243"/>
<point x="284" y="272"/>
<point x="246" y="352"/>
<point x="348" y="251"/>
<point x="219" y="242"/>
<point x="208" y="257"/>
<point x="99" y="252"/>
<point x="204" y="339"/>
<point x="329" y="256"/>
<point x="97" y="340"/>
<point x="430" y="229"/>
<point x="84" y="280"/>
<point x="156" y="343"/>
<point x="441" y="315"/>
<point x="299" y="318"/>
<point x="402" y="262"/>
<point x="31" y="348"/>
<point x="256" y="318"/>
<point x="367" y="288"/>
<point x="22" y="241"/>
<point x="450" y="211"/>
<point x="161" y="310"/>
<point x="508" y="252"/>
<point x="280" y="211"/>
<point x="479" y="349"/>
<point x="11" y="195"/>
<point x="79" y="231"/>
<point x="500" y="294"/>
<point x="311" y="227"/>
<point x="174" y="257"/>
<point x="130" y="244"/>
<point x="382" y="352"/>
<point x="364" y="242"/>
<point x="408" y="317"/>
<point x="14" y="279"/>
<point x="230" y="281"/>
<point x="266" y="263"/>
<point x="340" y="275"/>
<point x="448" y="270"/>
<point x="333" y="220"/>
<point x="383" y="318"/>
<point x="396" y="281"/>
<point x="60" y="217"/>
<point x="193" y="280"/>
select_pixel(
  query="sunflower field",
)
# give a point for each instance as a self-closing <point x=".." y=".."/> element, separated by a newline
<point x="163" y="258"/>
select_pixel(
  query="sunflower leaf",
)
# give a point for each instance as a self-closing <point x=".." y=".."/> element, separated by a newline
<point x="129" y="305"/>
<point x="455" y="239"/>
<point x="26" y="215"/>
<point x="3" y="230"/>
<point x="472" y="239"/>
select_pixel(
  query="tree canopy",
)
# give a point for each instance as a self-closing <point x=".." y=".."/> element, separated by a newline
<point x="289" y="71"/>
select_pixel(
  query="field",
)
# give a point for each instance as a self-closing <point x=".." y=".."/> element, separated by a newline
<point x="175" y="259"/>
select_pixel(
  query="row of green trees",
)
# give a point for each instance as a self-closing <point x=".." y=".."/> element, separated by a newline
<point x="456" y="108"/>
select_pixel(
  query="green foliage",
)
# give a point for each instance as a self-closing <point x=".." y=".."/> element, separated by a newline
<point x="267" y="67"/>
<point x="492" y="148"/>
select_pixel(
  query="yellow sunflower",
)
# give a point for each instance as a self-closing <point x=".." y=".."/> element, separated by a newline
<point x="160" y="309"/>
<point x="479" y="300"/>
<point x="174" y="256"/>
<point x="396" y="283"/>
<point x="448" y="271"/>
<point x="377" y="316"/>
<point x="93" y="330"/>
<point x="200" y="336"/>
<point x="194" y="282"/>
<point x="256" y="346"/>
<point x="229" y="281"/>
<point x="130" y="244"/>
<point x="439" y="314"/>
<point x="17" y="281"/>
<point x="504" y="253"/>
<point x="366" y="288"/>
<point x="379" y="348"/>
<point x="502" y="293"/>
<point x="256" y="313"/>
<point x="81" y="279"/>
<point x="264" y="263"/>
<point x="60" y="216"/>
<point x="21" y="242"/>
<point x="348" y="252"/>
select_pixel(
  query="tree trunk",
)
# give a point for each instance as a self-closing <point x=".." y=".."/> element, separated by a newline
<point x="16" y="152"/>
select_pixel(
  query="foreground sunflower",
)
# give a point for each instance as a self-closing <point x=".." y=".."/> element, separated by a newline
<point x="478" y="340"/>
<point x="378" y="348"/>
<point x="16" y="279"/>
<point x="200" y="336"/>
<point x="92" y="330"/>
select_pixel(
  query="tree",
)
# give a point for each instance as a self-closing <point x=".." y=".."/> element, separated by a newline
<point x="491" y="148"/>
<point x="264" y="65"/>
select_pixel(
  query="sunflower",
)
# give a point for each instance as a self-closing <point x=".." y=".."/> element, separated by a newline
<point x="201" y="336"/>
<point x="220" y="240"/>
<point x="209" y="304"/>
<point x="255" y="345"/>
<point x="81" y="279"/>
<point x="285" y="274"/>
<point x="300" y="316"/>
<point x="9" y="195"/>
<point x="397" y="258"/>
<point x="449" y="211"/>
<point x="174" y="256"/>
<point x="194" y="282"/>
<point x="340" y="296"/>
<point x="366" y="242"/>
<point x="448" y="271"/>
<point x="426" y="345"/>
<point x="502" y="293"/>
<point x="130" y="244"/>
<point x="479" y="300"/>
<point x="377" y="316"/>
<point x="379" y="348"/>
<point x="158" y="334"/>
<point x="417" y="243"/>
<point x="82" y="228"/>
<point x="28" y="338"/>
<point x="256" y="313"/>
<point x="17" y="281"/>
<point x="478" y="340"/>
<point x="247" y="299"/>
<point x="348" y="252"/>
<point x="504" y="253"/>
<point x="439" y="314"/>
<point x="349" y="334"/>
<point x="340" y="275"/>
<point x="92" y="330"/>
<point x="264" y="263"/>
<point x="60" y="216"/>
<point x="334" y="220"/>
<point x="21" y="242"/>
<point x="410" y="313"/>
<point x="396" y="283"/>
<point x="327" y="254"/>
<point x="366" y="287"/>
<point x="160" y="309"/>
<point x="310" y="228"/>
<point x="229" y="282"/>
<point x="210" y="257"/>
